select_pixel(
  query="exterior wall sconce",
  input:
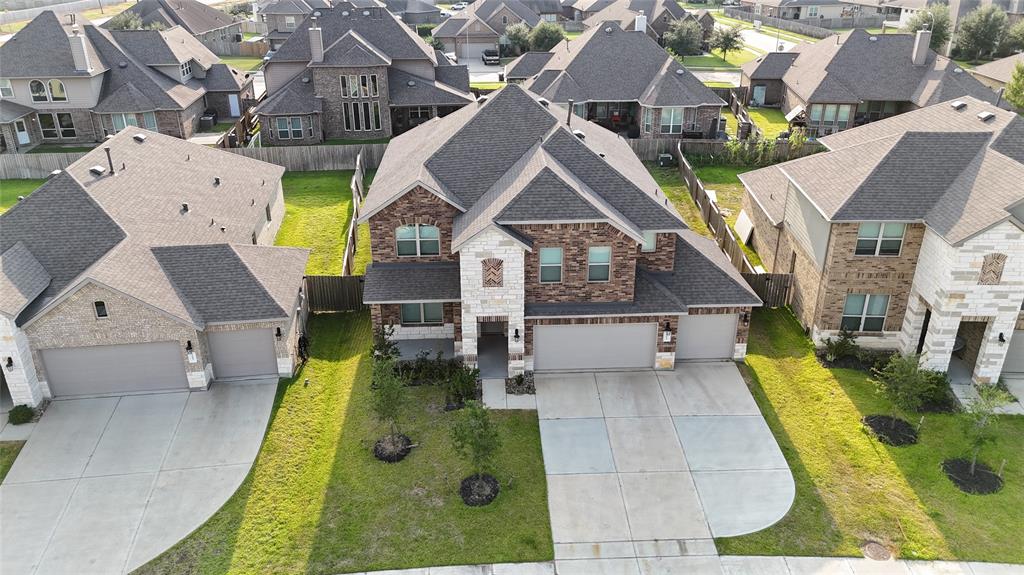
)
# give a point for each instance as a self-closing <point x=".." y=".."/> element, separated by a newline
<point x="188" y="345"/>
<point x="277" y="333"/>
<point x="666" y="335"/>
<point x="9" y="363"/>
<point x="745" y="318"/>
<point x="1002" y="338"/>
<point x="515" y="335"/>
<point x="190" y="352"/>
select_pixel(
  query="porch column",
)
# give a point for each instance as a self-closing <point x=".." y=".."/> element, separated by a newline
<point x="993" y="352"/>
<point x="938" y="342"/>
<point x="470" y="333"/>
<point x="913" y="323"/>
<point x="22" y="380"/>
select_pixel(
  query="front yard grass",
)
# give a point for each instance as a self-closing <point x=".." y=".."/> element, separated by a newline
<point x="11" y="189"/>
<point x="8" y="453"/>
<point x="243" y="63"/>
<point x="317" y="502"/>
<point x="851" y="488"/>
<point x="771" y="121"/>
<point x="318" y="209"/>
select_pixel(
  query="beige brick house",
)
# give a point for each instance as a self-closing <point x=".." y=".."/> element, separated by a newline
<point x="556" y="251"/>
<point x="148" y="265"/>
<point x="908" y="232"/>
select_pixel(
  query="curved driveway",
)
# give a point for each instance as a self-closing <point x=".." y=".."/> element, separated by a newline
<point x="106" y="484"/>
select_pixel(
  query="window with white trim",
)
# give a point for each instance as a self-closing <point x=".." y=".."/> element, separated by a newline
<point x="55" y="88"/>
<point x="100" y="307"/>
<point x="878" y="239"/>
<point x="599" y="264"/>
<point x="671" y="120"/>
<point x="812" y="11"/>
<point x="186" y="70"/>
<point x="648" y="119"/>
<point x="289" y="22"/>
<point x="38" y="91"/>
<point x="422" y="313"/>
<point x="149" y="120"/>
<point x="550" y="265"/>
<point x="418" y="240"/>
<point x="419" y="113"/>
<point x="6" y="89"/>
<point x="650" y="242"/>
<point x="289" y="127"/>
<point x="864" y="312"/>
<point x="353" y="86"/>
<point x="55" y="126"/>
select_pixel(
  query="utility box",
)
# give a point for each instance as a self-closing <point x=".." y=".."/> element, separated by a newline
<point x="666" y="160"/>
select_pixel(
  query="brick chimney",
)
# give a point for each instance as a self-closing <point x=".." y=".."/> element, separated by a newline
<point x="316" y="42"/>
<point x="640" y="24"/>
<point x="921" y="43"/>
<point x="78" y="53"/>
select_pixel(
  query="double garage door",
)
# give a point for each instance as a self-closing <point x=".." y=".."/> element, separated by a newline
<point x="473" y="52"/>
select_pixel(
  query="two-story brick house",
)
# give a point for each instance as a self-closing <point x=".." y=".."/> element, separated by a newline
<point x="67" y="83"/>
<point x="554" y="250"/>
<point x="907" y="232"/>
<point x="355" y="73"/>
<point x="658" y="15"/>
<point x="481" y="26"/>
<point x="641" y="92"/>
<point x="855" y="78"/>
<point x="215" y="29"/>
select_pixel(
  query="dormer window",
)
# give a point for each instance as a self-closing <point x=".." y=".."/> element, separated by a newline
<point x="101" y="309"/>
<point x="186" y="71"/>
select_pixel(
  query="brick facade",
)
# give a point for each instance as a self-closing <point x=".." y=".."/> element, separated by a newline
<point x="766" y="237"/>
<point x="662" y="259"/>
<point x="312" y="133"/>
<point x="85" y="128"/>
<point x="418" y="206"/>
<point x="706" y="120"/>
<point x="219" y="101"/>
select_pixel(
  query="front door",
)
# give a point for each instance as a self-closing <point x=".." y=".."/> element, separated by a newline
<point x="22" y="132"/>
<point x="233" y="105"/>
<point x="758" y="97"/>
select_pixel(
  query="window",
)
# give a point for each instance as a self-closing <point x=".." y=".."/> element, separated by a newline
<point x="347" y="112"/>
<point x="56" y="91"/>
<point x="877" y="239"/>
<point x="289" y="22"/>
<point x="364" y="86"/>
<point x="419" y="113"/>
<point x="671" y="120"/>
<point x="353" y="86"/>
<point x="648" y="118"/>
<point x="864" y="312"/>
<point x="550" y="265"/>
<point x="344" y="86"/>
<point x="374" y="89"/>
<point x="422" y="313"/>
<point x="38" y="91"/>
<point x="599" y="264"/>
<point x="289" y="128"/>
<point x="149" y="121"/>
<point x="812" y="11"/>
<point x="376" y="115"/>
<point x="296" y="128"/>
<point x="650" y="242"/>
<point x="816" y="112"/>
<point x="418" y="240"/>
<point x="186" y="70"/>
<point x="504" y="19"/>
<point x="580" y="110"/>
<point x="57" y="125"/>
<point x="101" y="309"/>
<point x="601" y="110"/>
<point x="67" y="125"/>
<point x="120" y="121"/>
<point x="6" y="90"/>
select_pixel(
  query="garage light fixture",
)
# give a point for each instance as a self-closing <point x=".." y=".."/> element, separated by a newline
<point x="188" y="345"/>
<point x="745" y="318"/>
<point x="277" y="333"/>
<point x="515" y="335"/>
<point x="666" y="335"/>
<point x="9" y="363"/>
<point x="1002" y="338"/>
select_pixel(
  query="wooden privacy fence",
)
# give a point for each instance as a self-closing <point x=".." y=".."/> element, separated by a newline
<point x="311" y="158"/>
<point x="34" y="166"/>
<point x="773" y="289"/>
<point x="788" y="25"/>
<point x="351" y="242"/>
<point x="746" y="127"/>
<point x="334" y="293"/>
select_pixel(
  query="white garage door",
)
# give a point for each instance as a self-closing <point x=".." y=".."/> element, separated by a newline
<point x="472" y="52"/>
<point x="242" y="353"/>
<point x="115" y="368"/>
<point x="706" y="337"/>
<point x="586" y="347"/>
<point x="1015" y="354"/>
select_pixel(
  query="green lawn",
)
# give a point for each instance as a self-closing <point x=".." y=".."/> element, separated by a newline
<point x="11" y="189"/>
<point x="771" y="121"/>
<point x="354" y="142"/>
<point x="243" y="63"/>
<point x="59" y="149"/>
<point x="317" y="502"/>
<point x="222" y="126"/>
<point x="715" y="60"/>
<point x="782" y="34"/>
<point x="8" y="453"/>
<point x="670" y="182"/>
<point x="318" y="208"/>
<point x="719" y="84"/>
<point x="731" y="122"/>
<point x="850" y="487"/>
<point x="487" y="86"/>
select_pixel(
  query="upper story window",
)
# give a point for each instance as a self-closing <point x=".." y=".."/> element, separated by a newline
<point x="6" y="89"/>
<point x="863" y="312"/>
<point x="101" y="309"/>
<point x="650" y="242"/>
<point x="418" y="240"/>
<point x="599" y="264"/>
<point x="878" y="239"/>
<point x="504" y="19"/>
<point x="550" y="265"/>
<point x="57" y="91"/>
<point x="289" y="22"/>
<point x="186" y="70"/>
<point x="38" y="91"/>
<point x="671" y="120"/>
<point x="422" y="313"/>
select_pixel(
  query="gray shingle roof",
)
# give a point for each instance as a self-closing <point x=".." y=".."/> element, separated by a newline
<point x="298" y="7"/>
<point x="22" y="279"/>
<point x="411" y="7"/>
<point x="196" y="17"/>
<point x="412" y="282"/>
<point x="455" y="76"/>
<point x="527" y="66"/>
<point x="224" y="78"/>
<point x="42" y="48"/>
<point x="771" y="66"/>
<point x="543" y="6"/>
<point x="169" y="47"/>
<point x="548" y="197"/>
<point x="351" y="49"/>
<point x="625" y="12"/>
<point x="1000" y="70"/>
<point x="405" y="89"/>
<point x="296" y="97"/>
<point x="10" y="111"/>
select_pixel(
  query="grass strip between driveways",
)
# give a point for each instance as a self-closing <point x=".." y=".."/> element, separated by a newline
<point x="11" y="189"/>
<point x="851" y="488"/>
<point x="8" y="453"/>
<point x="318" y="209"/>
<point x="317" y="502"/>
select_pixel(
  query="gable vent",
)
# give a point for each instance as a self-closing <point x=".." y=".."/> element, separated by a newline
<point x="985" y="116"/>
<point x="97" y="170"/>
<point x="139" y="138"/>
<point x="958" y="104"/>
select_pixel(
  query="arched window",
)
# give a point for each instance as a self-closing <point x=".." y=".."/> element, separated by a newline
<point x="38" y="91"/>
<point x="57" y="93"/>
<point x="418" y="240"/>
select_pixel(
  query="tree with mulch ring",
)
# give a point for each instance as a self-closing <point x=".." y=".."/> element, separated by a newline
<point x="386" y="401"/>
<point x="890" y="430"/>
<point x="969" y="475"/>
<point x="476" y="439"/>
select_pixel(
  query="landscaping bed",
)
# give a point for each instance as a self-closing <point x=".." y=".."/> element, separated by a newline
<point x="318" y="502"/>
<point x="11" y="189"/>
<point x="850" y="488"/>
<point x="891" y="430"/>
<point x="318" y="210"/>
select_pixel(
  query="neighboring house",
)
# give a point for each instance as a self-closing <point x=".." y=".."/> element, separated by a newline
<point x="355" y="73"/>
<point x="854" y="78"/>
<point x="414" y="12"/>
<point x="217" y="30"/>
<point x="70" y="84"/>
<point x="148" y="265"/>
<point x="907" y="232"/>
<point x="998" y="73"/>
<point x="507" y="237"/>
<point x="797" y="9"/>
<point x="481" y="26"/>
<point x="641" y="92"/>
<point x="658" y="15"/>
<point x="581" y="10"/>
<point x="550" y="10"/>
<point x="958" y="9"/>
<point x="283" y="16"/>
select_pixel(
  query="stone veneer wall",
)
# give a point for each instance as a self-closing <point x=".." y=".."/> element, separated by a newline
<point x="391" y="315"/>
<point x="418" y="206"/>
<point x="22" y="379"/>
<point x="705" y="119"/>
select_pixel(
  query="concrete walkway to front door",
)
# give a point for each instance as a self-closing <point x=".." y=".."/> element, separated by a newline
<point x="105" y="484"/>
<point x="644" y="464"/>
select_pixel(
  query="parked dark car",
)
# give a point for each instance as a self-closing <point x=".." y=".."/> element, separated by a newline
<point x="490" y="57"/>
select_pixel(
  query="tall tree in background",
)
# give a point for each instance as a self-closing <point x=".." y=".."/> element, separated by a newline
<point x="1014" y="93"/>
<point x="546" y="36"/>
<point x="936" y="19"/>
<point x="726" y="40"/>
<point x="981" y="32"/>
<point x="518" y="35"/>
<point x="684" y="37"/>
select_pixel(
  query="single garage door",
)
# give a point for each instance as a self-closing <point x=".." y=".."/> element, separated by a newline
<point x="242" y="353"/>
<point x="586" y="347"/>
<point x="706" y="337"/>
<point x="473" y="52"/>
<point x="1014" y="362"/>
<point x="115" y="368"/>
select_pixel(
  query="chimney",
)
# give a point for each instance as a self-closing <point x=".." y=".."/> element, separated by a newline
<point x="316" y="42"/>
<point x="568" y="119"/>
<point x="640" y="23"/>
<point x="921" y="42"/>
<point x="78" y="53"/>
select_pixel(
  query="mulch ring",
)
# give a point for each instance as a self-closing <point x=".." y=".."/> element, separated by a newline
<point x="891" y="431"/>
<point x="983" y="482"/>
<point x="392" y="448"/>
<point x="479" y="490"/>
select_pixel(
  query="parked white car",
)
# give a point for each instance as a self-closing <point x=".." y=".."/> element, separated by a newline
<point x="459" y="6"/>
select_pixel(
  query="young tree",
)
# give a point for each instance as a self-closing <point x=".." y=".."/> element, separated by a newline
<point x="1014" y="40"/>
<point x="518" y="35"/>
<point x="546" y="36"/>
<point x="476" y="438"/>
<point x="387" y="398"/>
<point x="980" y="419"/>
<point x="436" y="44"/>
<point x="981" y="31"/>
<point x="906" y="383"/>
<point x="1014" y="93"/>
<point x="936" y="19"/>
<point x="684" y="37"/>
<point x="726" y="40"/>
<point x="127" y="20"/>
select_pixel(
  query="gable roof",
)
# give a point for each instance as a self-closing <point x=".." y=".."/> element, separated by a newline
<point x="624" y="12"/>
<point x="642" y="71"/>
<point x="481" y="12"/>
<point x="43" y="49"/>
<point x="170" y="47"/>
<point x="195" y="17"/>
<point x="351" y="49"/>
<point x="411" y="7"/>
<point x="22" y="279"/>
<point x="296" y="97"/>
<point x="771" y="66"/>
<point x="527" y="65"/>
<point x="405" y="89"/>
<point x="296" y="7"/>
<point x="1000" y="70"/>
<point x="224" y="78"/>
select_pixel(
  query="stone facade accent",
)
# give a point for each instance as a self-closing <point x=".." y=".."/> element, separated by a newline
<point x="418" y="206"/>
<point x="662" y="259"/>
<point x="22" y="379"/>
<point x="391" y="315"/>
<point x="327" y="87"/>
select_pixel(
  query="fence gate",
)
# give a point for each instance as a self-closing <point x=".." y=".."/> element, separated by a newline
<point x="335" y="293"/>
<point x="773" y="289"/>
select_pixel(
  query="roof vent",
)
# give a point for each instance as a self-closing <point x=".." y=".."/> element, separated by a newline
<point x="958" y="70"/>
<point x="579" y="134"/>
<point x="253" y="203"/>
<point x="317" y="13"/>
<point x="958" y="104"/>
<point x="305" y="80"/>
<point x="481" y="100"/>
<point x="98" y="170"/>
<point x="122" y="64"/>
<point x="543" y="102"/>
<point x="985" y="116"/>
<point x="680" y="71"/>
<point x="344" y="13"/>
<point x="411" y="83"/>
<point x="223" y="229"/>
<point x="873" y="38"/>
<point x="600" y="154"/>
<point x="216" y="181"/>
<point x="366" y="12"/>
<point x="139" y="138"/>
<point x="21" y="198"/>
<point x="184" y="207"/>
<point x="54" y="173"/>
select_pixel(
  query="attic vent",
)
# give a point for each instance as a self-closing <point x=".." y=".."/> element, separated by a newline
<point x="253" y="203"/>
<point x="317" y="13"/>
<point x="873" y="39"/>
<point x="600" y="154"/>
<point x="184" y="206"/>
<point x="680" y="71"/>
<point x="958" y="104"/>
<point x="122" y="64"/>
<point x="958" y="70"/>
<point x="305" y="80"/>
<point x="985" y="116"/>
<point x="139" y="138"/>
<point x="579" y="134"/>
<point x="98" y="170"/>
<point x="411" y="83"/>
<point x="345" y="13"/>
<point x="54" y="173"/>
<point x="543" y="102"/>
<point x="223" y="229"/>
<point x="216" y="181"/>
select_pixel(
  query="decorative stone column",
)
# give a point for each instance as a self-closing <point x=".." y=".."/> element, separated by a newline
<point x="993" y="352"/>
<point x="21" y="377"/>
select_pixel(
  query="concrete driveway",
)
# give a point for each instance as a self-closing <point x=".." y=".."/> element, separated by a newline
<point x="645" y="464"/>
<point x="106" y="484"/>
<point x="480" y="72"/>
